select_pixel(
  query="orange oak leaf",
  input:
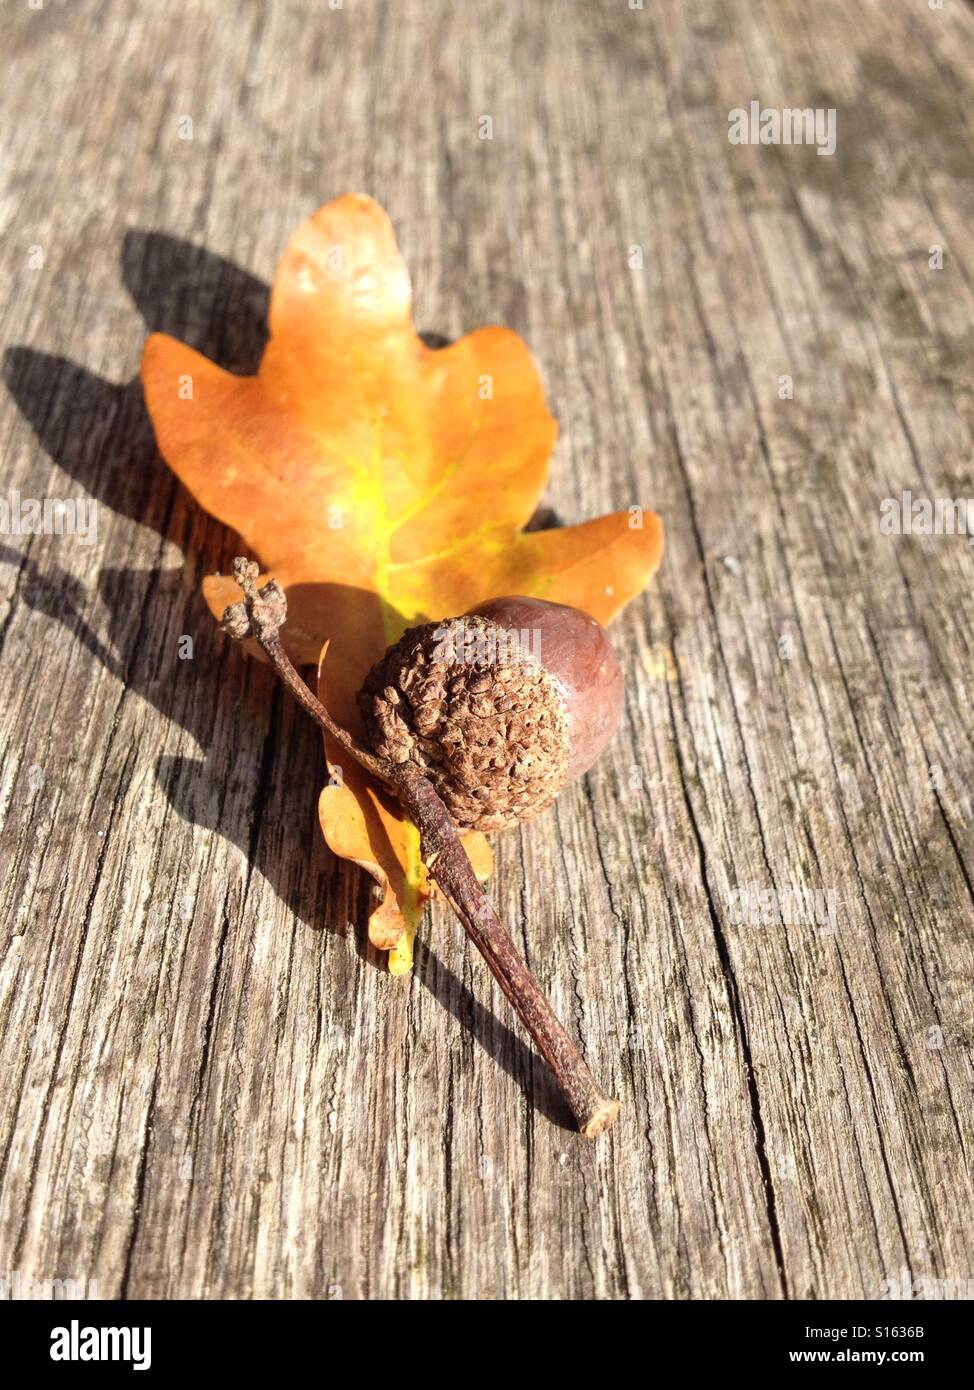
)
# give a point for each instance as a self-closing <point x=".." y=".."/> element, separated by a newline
<point x="383" y="483"/>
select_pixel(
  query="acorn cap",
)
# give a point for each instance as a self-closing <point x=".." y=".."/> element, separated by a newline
<point x="485" y="722"/>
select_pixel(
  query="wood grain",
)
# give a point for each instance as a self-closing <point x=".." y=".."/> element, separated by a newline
<point x="211" y="1088"/>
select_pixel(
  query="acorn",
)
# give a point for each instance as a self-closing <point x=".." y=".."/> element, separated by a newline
<point x="495" y="711"/>
<point x="500" y="708"/>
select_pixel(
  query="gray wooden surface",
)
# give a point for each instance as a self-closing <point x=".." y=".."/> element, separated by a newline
<point x="210" y="1087"/>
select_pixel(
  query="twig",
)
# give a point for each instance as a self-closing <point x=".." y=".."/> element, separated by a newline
<point x="261" y="615"/>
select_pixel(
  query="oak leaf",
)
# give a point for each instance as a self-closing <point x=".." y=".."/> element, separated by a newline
<point x="383" y="483"/>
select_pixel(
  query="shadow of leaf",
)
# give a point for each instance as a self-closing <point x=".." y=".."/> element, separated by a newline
<point x="99" y="433"/>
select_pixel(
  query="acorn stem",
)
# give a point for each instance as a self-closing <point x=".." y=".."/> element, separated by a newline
<point x="261" y="616"/>
<point x="447" y="861"/>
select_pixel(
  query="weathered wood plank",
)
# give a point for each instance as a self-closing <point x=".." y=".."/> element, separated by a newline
<point x="211" y="1086"/>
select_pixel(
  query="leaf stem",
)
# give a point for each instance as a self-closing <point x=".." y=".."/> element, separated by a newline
<point x="401" y="955"/>
<point x="261" y="615"/>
